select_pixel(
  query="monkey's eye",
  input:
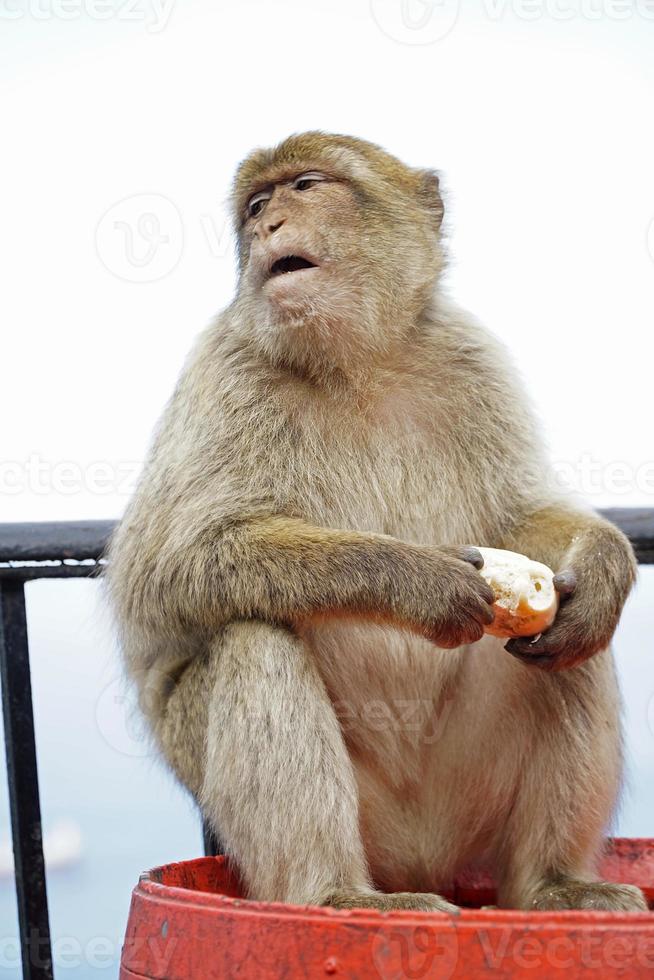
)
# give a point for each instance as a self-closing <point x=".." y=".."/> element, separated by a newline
<point x="305" y="181"/>
<point x="257" y="203"/>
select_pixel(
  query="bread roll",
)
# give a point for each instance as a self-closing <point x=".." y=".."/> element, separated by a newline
<point x="525" y="598"/>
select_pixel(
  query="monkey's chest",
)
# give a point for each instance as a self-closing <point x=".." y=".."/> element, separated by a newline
<point x="410" y="488"/>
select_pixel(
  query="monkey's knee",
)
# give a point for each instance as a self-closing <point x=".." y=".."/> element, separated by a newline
<point x="264" y="679"/>
<point x="253" y="642"/>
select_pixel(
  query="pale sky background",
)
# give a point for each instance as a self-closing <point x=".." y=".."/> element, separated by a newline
<point x="542" y="130"/>
<point x="122" y="126"/>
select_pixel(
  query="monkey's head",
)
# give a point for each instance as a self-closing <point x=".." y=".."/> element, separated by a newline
<point x="339" y="249"/>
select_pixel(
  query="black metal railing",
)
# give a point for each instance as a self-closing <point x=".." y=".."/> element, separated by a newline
<point x="73" y="550"/>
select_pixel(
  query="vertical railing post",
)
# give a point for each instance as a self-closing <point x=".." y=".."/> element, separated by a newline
<point x="212" y="845"/>
<point x="22" y="774"/>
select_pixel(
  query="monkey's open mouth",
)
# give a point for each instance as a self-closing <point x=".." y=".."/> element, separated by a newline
<point x="290" y="263"/>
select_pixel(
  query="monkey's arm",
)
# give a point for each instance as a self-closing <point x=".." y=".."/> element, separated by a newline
<point x="286" y="571"/>
<point x="596" y="570"/>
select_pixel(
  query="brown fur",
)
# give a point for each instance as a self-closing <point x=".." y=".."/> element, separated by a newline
<point x="294" y="605"/>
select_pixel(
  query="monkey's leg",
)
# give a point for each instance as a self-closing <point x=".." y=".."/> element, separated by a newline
<point x="566" y="793"/>
<point x="278" y="785"/>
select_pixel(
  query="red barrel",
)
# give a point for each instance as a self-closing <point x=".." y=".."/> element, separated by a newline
<point x="189" y="921"/>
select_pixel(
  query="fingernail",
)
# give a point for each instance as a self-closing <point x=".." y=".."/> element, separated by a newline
<point x="473" y="555"/>
<point x="564" y="581"/>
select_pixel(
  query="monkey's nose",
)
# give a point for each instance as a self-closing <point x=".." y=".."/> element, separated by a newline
<point x="272" y="226"/>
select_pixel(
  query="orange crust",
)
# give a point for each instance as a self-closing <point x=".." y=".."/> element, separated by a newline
<point x="523" y="621"/>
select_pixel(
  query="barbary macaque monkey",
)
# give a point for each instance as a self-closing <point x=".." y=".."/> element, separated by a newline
<point x="296" y="584"/>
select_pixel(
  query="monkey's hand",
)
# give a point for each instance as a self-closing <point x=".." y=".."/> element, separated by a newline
<point x="593" y="583"/>
<point x="458" y="601"/>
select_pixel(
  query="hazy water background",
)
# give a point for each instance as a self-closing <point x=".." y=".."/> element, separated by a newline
<point x="95" y="768"/>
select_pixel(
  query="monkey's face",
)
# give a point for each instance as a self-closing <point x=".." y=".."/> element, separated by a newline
<point x="301" y="236"/>
<point x="339" y="248"/>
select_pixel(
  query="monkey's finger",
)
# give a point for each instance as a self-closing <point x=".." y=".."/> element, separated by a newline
<point x="488" y="595"/>
<point x="551" y="662"/>
<point x="565" y="582"/>
<point x="459" y="635"/>
<point x="484" y="613"/>
<point x="530" y="660"/>
<point x="521" y="647"/>
<point x="480" y="592"/>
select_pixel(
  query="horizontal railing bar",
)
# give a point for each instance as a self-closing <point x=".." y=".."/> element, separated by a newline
<point x="638" y="524"/>
<point x="35" y="570"/>
<point x="55" y="541"/>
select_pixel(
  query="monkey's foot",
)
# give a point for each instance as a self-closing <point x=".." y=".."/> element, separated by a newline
<point x="411" y="901"/>
<point x="596" y="895"/>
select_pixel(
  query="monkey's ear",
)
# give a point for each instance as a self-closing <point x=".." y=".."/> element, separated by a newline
<point x="430" y="195"/>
